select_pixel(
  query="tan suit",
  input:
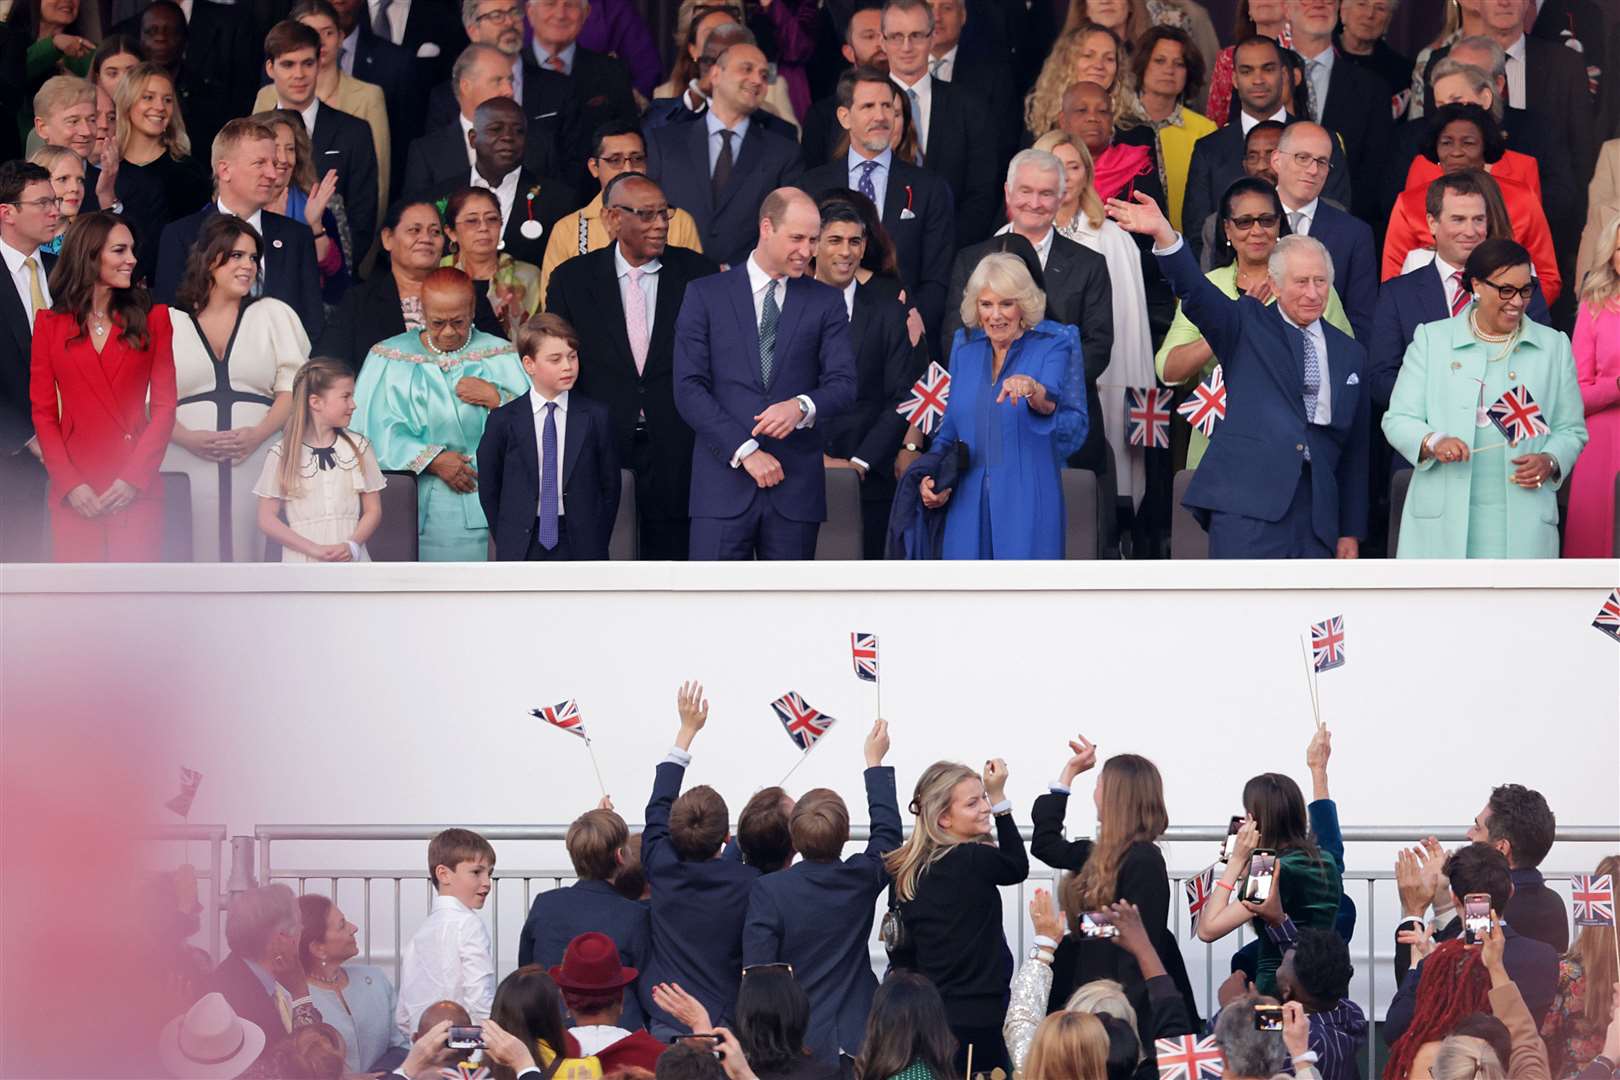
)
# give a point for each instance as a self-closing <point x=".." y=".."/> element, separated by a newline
<point x="357" y="98"/>
<point x="1602" y="207"/>
<point x="564" y="242"/>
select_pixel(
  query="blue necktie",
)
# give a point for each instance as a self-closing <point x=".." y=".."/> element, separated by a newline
<point x="916" y="123"/>
<point x="548" y="478"/>
<point x="1313" y="377"/>
<point x="767" y="334"/>
<point x="864" y="185"/>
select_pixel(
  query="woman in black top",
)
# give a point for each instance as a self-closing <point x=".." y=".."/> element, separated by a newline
<point x="158" y="179"/>
<point x="947" y="878"/>
<point x="1122" y="863"/>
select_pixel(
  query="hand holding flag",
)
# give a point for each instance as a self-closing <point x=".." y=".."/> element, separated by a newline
<point x="564" y="716"/>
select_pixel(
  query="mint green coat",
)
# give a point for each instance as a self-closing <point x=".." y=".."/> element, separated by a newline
<point x="1438" y="389"/>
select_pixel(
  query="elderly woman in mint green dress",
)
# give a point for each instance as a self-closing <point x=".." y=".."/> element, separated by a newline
<point x="1475" y="493"/>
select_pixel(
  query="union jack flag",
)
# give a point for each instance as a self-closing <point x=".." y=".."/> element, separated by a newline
<point x="1147" y="412"/>
<point x="190" y="781"/>
<point x="1207" y="406"/>
<point x="1593" y="899"/>
<point x="802" y="722"/>
<point x="564" y="716"/>
<point x="1517" y="416"/>
<point x="1188" y="1057"/>
<point x="864" y="648"/>
<point x="1327" y="643"/>
<point x="929" y="395"/>
<point x="1608" y="616"/>
<point x="1199" y="889"/>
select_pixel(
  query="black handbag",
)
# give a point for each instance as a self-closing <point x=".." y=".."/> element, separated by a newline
<point x="894" y="935"/>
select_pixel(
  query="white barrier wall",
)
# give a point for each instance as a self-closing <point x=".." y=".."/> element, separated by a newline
<point x="400" y="693"/>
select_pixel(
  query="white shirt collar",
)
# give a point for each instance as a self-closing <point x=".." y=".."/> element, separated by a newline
<point x="351" y="44"/>
<point x="946" y="62"/>
<point x="446" y="902"/>
<point x="505" y="191"/>
<point x="924" y="85"/>
<point x="1314" y="327"/>
<point x="1516" y="50"/>
<point x="538" y="401"/>
<point x="694" y="98"/>
<point x="255" y="219"/>
<point x="307" y="113"/>
<point x="1444" y="268"/>
<point x="1325" y="57"/>
<point x="1042" y="249"/>
<point x="14" y="258"/>
<point x="849" y="296"/>
<point x="1309" y="209"/>
<point x="1248" y="122"/>
<point x="757" y="277"/>
<point x="621" y="267"/>
<point x="565" y="54"/>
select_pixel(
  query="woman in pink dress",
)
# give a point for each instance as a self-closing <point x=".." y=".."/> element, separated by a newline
<point x="1589" y="532"/>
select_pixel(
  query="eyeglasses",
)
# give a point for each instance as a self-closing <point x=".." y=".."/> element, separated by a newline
<point x="42" y="203"/>
<point x="915" y="38"/>
<point x="619" y="161"/>
<point x="1508" y="292"/>
<point x="778" y="966"/>
<point x="1305" y="161"/>
<point x="505" y="15"/>
<point x="647" y="216"/>
<point x="1249" y="221"/>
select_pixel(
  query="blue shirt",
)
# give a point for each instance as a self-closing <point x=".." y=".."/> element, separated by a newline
<point x="565" y="54"/>
<point x="880" y="175"/>
<point x="713" y="125"/>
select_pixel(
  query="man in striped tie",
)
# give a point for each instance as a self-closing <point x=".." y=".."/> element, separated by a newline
<point x="762" y="352"/>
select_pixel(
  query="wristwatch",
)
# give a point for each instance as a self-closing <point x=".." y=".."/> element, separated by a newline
<point x="1039" y="954"/>
<point x="915" y="448"/>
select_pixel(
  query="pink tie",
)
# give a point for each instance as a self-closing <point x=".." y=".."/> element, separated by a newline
<point x="1459" y="301"/>
<point x="635" y="319"/>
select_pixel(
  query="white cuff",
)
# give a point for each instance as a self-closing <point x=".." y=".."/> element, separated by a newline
<point x="677" y="756"/>
<point x="1001" y="807"/>
<point x="1172" y="249"/>
<point x="743" y="451"/>
<point x="857" y="461"/>
<point x="1044" y="942"/>
<point x="1057" y="789"/>
<point x="809" y="420"/>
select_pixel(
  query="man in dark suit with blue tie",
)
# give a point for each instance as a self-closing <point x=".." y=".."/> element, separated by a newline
<point x="720" y="166"/>
<point x="245" y="177"/>
<point x="762" y="352"/>
<point x="1286" y="475"/>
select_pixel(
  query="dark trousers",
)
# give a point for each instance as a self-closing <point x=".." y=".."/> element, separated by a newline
<point x="661" y="538"/>
<point x="760" y="532"/>
<point x="560" y="553"/>
<point x="1293" y="536"/>
<point x="989" y="1050"/>
<point x="23" y="488"/>
<point x="877" y="499"/>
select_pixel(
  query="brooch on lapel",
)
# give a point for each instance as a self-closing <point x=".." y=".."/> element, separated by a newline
<point x="531" y="229"/>
<point x="275" y="243"/>
<point x="905" y="213"/>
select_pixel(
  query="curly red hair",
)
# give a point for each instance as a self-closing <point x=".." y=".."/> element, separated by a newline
<point x="1454" y="985"/>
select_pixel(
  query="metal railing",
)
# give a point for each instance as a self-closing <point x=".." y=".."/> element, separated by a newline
<point x="1361" y="885"/>
<point x="213" y="837"/>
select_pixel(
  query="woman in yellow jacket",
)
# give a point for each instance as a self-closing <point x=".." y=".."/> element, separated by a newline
<point x="1168" y="70"/>
<point x="339" y="91"/>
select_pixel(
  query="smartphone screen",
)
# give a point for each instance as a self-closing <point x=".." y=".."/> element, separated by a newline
<point x="1262" y="868"/>
<point x="1476" y="918"/>
<point x="1098" y="924"/>
<point x="466" y="1038"/>
<point x="1268" y="1018"/>
<point x="1229" y="845"/>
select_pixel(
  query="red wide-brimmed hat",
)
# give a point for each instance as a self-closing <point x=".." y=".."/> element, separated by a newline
<point x="591" y="962"/>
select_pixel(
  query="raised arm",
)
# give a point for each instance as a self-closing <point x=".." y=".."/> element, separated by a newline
<point x="1047" y="843"/>
<point x="1216" y="315"/>
<point x="1007" y="863"/>
<point x="694" y="712"/>
<point x="882" y="804"/>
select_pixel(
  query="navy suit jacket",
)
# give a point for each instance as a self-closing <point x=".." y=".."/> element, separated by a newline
<point x="558" y="916"/>
<point x="342" y="141"/>
<point x="1366" y="131"/>
<point x="886" y="367"/>
<point x="1254" y="462"/>
<point x="718" y="389"/>
<point x="817" y="916"/>
<point x="697" y="914"/>
<point x="289" y="270"/>
<point x="509" y="477"/>
<point x="924" y="241"/>
<point x="678" y="158"/>
<point x="16" y="408"/>
<point x="1355" y="264"/>
<point x="237" y="983"/>
<point x="1531" y="964"/>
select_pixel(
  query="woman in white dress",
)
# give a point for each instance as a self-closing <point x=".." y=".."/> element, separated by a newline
<point x="1130" y="363"/>
<point x="234" y="359"/>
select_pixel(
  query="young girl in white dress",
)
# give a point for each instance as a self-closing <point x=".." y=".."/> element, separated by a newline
<point x="324" y="476"/>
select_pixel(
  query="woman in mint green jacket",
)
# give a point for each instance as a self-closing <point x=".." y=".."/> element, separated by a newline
<point x="1476" y="493"/>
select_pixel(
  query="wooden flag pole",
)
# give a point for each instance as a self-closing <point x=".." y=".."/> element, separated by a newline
<point x="595" y="768"/>
<point x="877" y="681"/>
<point x="1310" y="680"/>
<point x="970" y="1062"/>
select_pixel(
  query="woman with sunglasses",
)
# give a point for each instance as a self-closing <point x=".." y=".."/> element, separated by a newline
<point x="1488" y="405"/>
<point x="1248" y="225"/>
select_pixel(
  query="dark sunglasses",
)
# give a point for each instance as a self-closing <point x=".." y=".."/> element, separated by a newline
<point x="1249" y="221"/>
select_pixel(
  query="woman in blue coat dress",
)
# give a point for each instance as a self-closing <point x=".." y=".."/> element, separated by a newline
<point x="1018" y="405"/>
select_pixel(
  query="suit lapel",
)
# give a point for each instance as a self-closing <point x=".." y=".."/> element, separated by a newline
<point x="99" y="375"/>
<point x="661" y="337"/>
<point x="1290" y="370"/>
<point x="742" y="300"/>
<point x="16" y="316"/>
<point x="1431" y="295"/>
<point x="573" y="441"/>
<point x="528" y="447"/>
<point x="894" y="198"/>
<point x="793" y="302"/>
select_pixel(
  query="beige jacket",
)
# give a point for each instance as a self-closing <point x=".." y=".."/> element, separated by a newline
<point x="1602" y="207"/>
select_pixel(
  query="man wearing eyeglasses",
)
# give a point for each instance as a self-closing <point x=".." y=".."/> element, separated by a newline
<point x="1303" y="159"/>
<point x="952" y="130"/>
<point x="29" y="213"/>
<point x="617" y="149"/>
<point x="622" y="299"/>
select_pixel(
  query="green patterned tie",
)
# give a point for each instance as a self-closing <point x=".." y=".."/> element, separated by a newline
<point x="767" y="334"/>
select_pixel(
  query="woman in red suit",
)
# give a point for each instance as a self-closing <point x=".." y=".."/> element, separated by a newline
<point x="1466" y="136"/>
<point x="103" y="393"/>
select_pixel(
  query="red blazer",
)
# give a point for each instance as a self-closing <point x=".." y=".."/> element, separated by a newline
<point x="1515" y="168"/>
<point x="1409" y="229"/>
<point x="116" y="408"/>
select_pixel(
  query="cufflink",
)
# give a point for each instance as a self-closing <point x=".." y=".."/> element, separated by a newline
<point x="275" y="243"/>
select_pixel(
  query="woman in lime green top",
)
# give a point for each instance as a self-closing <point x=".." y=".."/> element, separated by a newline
<point x="1249" y="224"/>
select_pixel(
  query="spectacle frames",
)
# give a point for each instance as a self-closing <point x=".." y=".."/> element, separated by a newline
<point x="619" y="161"/>
<point x="915" y="38"/>
<point x="1508" y="292"/>
<point x="45" y="203"/>
<point x="1249" y="221"/>
<point x="1305" y="161"/>
<point x="647" y="217"/>
<point x="505" y="15"/>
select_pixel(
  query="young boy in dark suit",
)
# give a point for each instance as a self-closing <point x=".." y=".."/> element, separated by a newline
<point x="565" y="509"/>
<point x="699" y="897"/>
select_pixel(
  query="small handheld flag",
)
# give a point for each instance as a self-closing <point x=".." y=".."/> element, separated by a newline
<point x="1207" y="406"/>
<point x="803" y="723"/>
<point x="564" y="715"/>
<point x="1327" y="644"/>
<point x="1592" y="899"/>
<point x="925" y="408"/>
<point x="190" y="781"/>
<point x="1199" y="888"/>
<point x="1147" y="414"/>
<point x="864" y="647"/>
<point x="1608" y="616"/>
<point x="1187" y="1057"/>
<point x="1517" y="416"/>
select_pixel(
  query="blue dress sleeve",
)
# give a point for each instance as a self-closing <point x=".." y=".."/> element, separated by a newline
<point x="1063" y="373"/>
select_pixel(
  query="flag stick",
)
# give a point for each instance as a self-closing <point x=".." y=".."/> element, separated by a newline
<point x="796" y="764"/>
<point x="591" y="751"/>
<point x="878" y="682"/>
<point x="1310" y="680"/>
<point x="1492" y="446"/>
<point x="970" y="1062"/>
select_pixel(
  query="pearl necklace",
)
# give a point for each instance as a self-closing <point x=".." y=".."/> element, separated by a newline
<point x="435" y="350"/>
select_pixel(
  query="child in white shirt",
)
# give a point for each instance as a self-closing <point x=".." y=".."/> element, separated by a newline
<point x="450" y="957"/>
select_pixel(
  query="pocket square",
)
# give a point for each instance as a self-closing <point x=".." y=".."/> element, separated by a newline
<point x="1353" y="380"/>
<point x="427" y="51"/>
<point x="331" y="152"/>
<point x="906" y="214"/>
